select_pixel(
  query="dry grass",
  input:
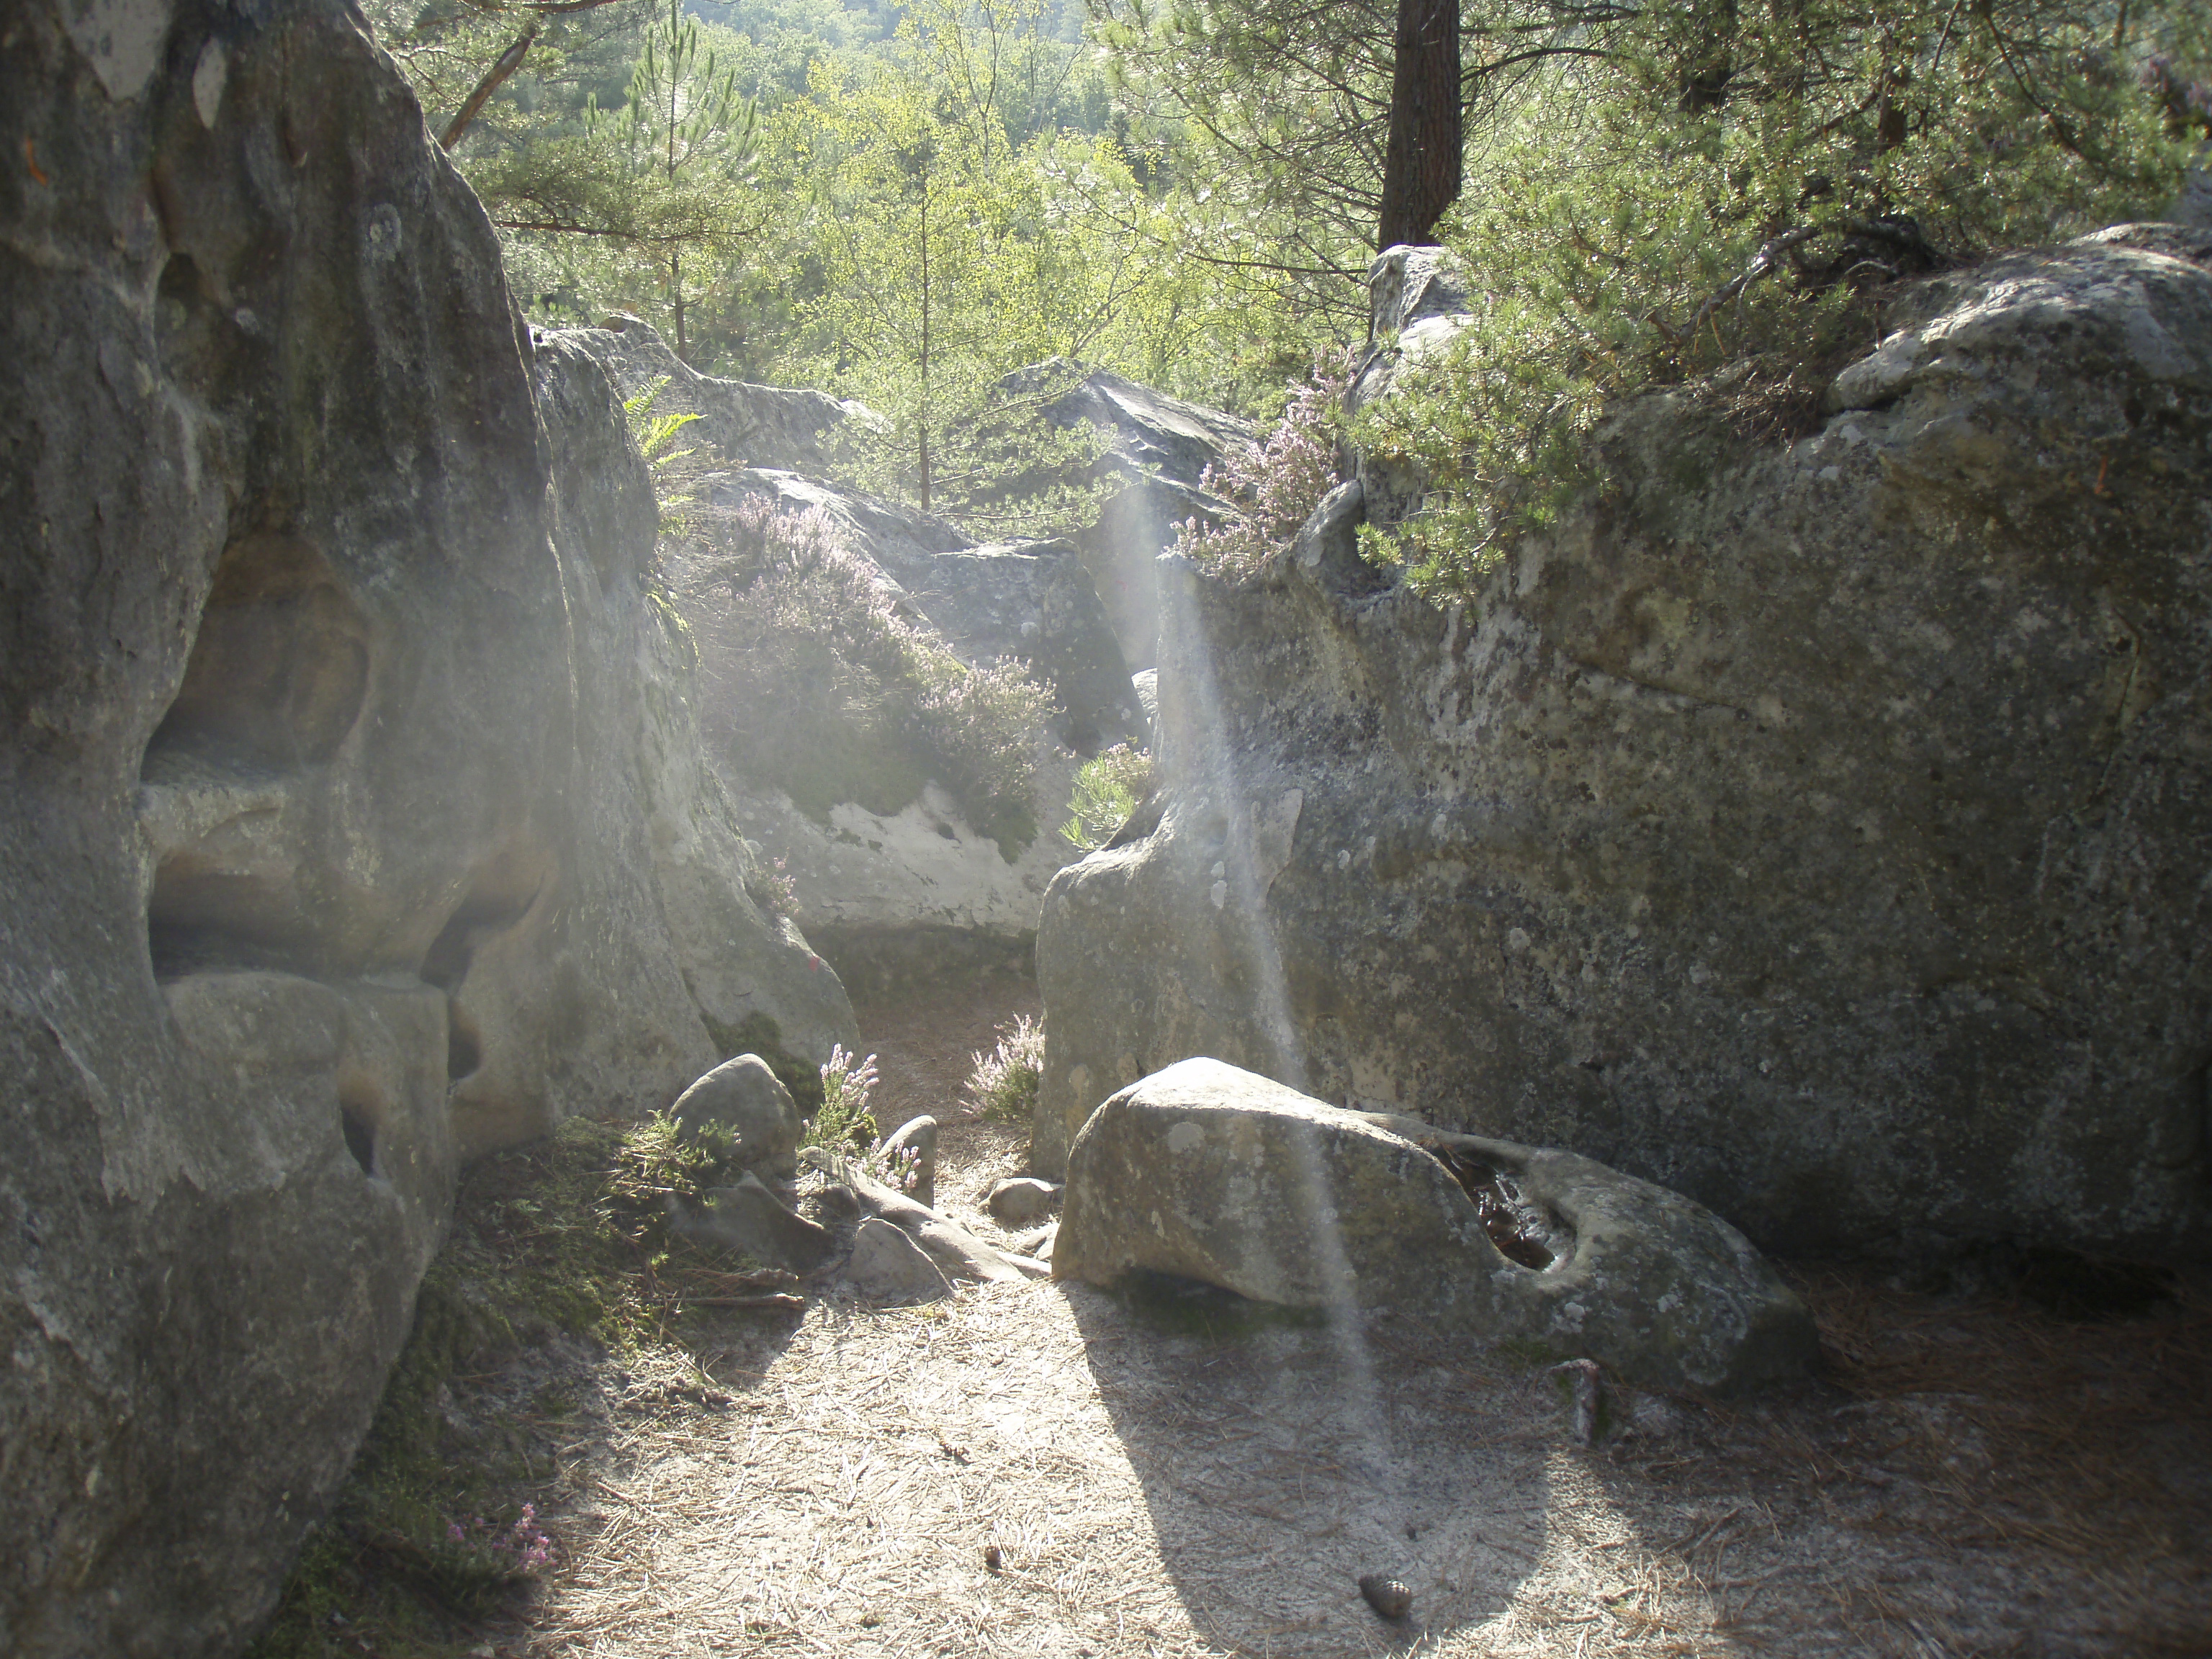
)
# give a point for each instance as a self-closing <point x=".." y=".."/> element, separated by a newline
<point x="1975" y="1477"/>
<point x="924" y="1045"/>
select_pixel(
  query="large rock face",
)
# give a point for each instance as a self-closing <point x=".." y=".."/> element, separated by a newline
<point x="351" y="818"/>
<point x="1815" y="830"/>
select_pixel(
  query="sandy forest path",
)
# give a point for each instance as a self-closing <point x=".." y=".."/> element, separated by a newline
<point x="1038" y="1469"/>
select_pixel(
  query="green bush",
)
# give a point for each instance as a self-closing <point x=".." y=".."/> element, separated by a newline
<point x="1737" y="186"/>
<point x="1109" y="788"/>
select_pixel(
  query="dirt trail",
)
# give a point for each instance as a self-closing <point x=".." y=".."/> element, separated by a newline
<point x="1980" y="1478"/>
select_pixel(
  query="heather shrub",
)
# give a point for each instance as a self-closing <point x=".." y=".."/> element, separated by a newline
<point x="1003" y="1082"/>
<point x="845" y="1125"/>
<point x="1276" y="484"/>
<point x="831" y="694"/>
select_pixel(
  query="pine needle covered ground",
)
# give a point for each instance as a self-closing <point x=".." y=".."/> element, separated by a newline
<point x="1033" y="1470"/>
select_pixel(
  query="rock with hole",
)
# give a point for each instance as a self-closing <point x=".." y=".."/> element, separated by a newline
<point x="1215" y="1174"/>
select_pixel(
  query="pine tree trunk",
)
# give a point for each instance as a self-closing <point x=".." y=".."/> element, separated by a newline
<point x="925" y="344"/>
<point x="676" y="288"/>
<point x="1421" y="168"/>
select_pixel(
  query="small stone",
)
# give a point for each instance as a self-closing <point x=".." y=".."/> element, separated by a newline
<point x="1391" y="1599"/>
<point x="1021" y="1200"/>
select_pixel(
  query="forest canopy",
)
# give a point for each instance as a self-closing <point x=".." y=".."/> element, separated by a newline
<point x="905" y="202"/>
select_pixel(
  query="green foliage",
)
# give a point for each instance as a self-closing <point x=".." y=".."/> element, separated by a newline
<point x="1002" y="1084"/>
<point x="841" y="698"/>
<point x="1734" y="187"/>
<point x="1109" y="788"/>
<point x="845" y="1125"/>
<point x="653" y="433"/>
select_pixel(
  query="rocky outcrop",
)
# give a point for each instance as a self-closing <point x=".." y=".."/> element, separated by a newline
<point x="1812" y="829"/>
<point x="353" y="820"/>
<point x="881" y="858"/>
<point x="742" y="423"/>
<point x="1156" y="451"/>
<point x="1209" y="1173"/>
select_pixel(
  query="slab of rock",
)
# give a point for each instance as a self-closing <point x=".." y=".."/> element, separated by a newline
<point x="749" y="1219"/>
<point x="1020" y="1200"/>
<point x="1216" y="1174"/>
<point x="912" y="854"/>
<point x="1158" y="448"/>
<point x="918" y="1136"/>
<point x="744" y="1096"/>
<point x="1807" y="827"/>
<point x="747" y="424"/>
<point x="888" y="1265"/>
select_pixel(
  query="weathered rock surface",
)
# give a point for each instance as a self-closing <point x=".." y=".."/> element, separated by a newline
<point x="351" y="820"/>
<point x="743" y="423"/>
<point x="750" y="1221"/>
<point x="916" y="1138"/>
<point x="1019" y="1200"/>
<point x="1416" y="306"/>
<point x="1216" y="1174"/>
<point x="1812" y="829"/>
<point x="745" y="1096"/>
<point x="1157" y="450"/>
<point x="890" y="1267"/>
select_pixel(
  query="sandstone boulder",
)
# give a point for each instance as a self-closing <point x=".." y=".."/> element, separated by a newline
<point x="748" y="1221"/>
<point x="1021" y="1200"/>
<point x="353" y="820"/>
<point x="1808" y="828"/>
<point x="739" y="423"/>
<point x="881" y="847"/>
<point x="1211" y="1173"/>
<point x="913" y="1144"/>
<point x="1157" y="450"/>
<point x="890" y="1267"/>
<point x="743" y="1096"/>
